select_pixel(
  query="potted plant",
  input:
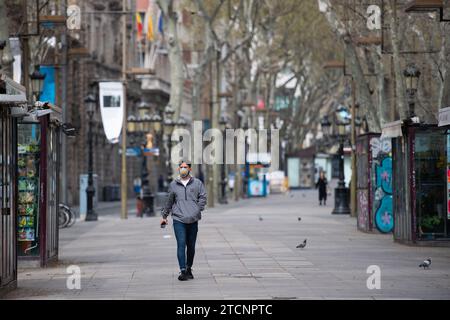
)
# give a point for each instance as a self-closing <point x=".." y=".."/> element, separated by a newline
<point x="429" y="224"/>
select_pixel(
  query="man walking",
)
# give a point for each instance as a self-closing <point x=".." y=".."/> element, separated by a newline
<point x="186" y="201"/>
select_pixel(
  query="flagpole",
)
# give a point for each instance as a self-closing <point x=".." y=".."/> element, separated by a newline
<point x="124" y="211"/>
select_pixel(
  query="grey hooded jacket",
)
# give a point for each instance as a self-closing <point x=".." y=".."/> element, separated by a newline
<point x="185" y="203"/>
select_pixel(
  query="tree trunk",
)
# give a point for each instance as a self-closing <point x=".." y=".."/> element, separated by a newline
<point x="364" y="96"/>
<point x="399" y="86"/>
<point x="6" y="59"/>
<point x="351" y="55"/>
<point x="444" y="93"/>
<point x="175" y="55"/>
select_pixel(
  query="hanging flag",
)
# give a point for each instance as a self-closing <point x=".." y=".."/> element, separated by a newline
<point x="112" y="105"/>
<point x="140" y="27"/>
<point x="160" y="22"/>
<point x="149" y="22"/>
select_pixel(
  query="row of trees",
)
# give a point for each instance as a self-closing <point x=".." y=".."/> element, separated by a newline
<point x="241" y="49"/>
<point x="380" y="38"/>
<point x="245" y="47"/>
<point x="252" y="43"/>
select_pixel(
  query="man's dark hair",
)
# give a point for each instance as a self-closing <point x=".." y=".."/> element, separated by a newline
<point x="184" y="161"/>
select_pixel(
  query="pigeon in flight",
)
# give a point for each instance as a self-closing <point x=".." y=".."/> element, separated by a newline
<point x="302" y="245"/>
<point x="425" y="264"/>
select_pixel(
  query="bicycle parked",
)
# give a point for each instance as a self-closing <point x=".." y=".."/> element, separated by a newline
<point x="67" y="217"/>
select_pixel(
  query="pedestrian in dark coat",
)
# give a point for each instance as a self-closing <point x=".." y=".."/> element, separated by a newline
<point x="186" y="201"/>
<point x="322" y="186"/>
<point x="160" y="183"/>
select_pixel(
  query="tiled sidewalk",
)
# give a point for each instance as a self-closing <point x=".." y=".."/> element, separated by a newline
<point x="240" y="257"/>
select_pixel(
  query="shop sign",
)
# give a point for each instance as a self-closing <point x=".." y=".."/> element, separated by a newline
<point x="392" y="130"/>
<point x="444" y="117"/>
<point x="261" y="157"/>
<point x="448" y="176"/>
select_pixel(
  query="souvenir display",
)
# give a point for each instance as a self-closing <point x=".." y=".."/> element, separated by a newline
<point x="26" y="221"/>
<point x="28" y="185"/>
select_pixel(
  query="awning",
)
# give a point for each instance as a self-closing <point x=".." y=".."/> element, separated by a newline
<point x="15" y="93"/>
<point x="392" y="130"/>
<point x="444" y="117"/>
<point x="46" y="108"/>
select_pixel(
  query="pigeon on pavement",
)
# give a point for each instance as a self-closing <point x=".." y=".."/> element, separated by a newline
<point x="302" y="245"/>
<point x="425" y="264"/>
<point x="299" y="219"/>
<point x="260" y="218"/>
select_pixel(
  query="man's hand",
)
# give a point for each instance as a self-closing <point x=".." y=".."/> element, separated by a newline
<point x="164" y="222"/>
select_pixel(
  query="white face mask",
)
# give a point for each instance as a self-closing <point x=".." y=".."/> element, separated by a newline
<point x="184" y="172"/>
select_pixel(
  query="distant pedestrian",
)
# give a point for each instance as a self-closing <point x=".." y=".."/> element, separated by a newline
<point x="186" y="201"/>
<point x="201" y="176"/>
<point x="160" y="183"/>
<point x="322" y="186"/>
<point x="231" y="183"/>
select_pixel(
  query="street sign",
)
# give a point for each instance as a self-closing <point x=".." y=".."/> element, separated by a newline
<point x="151" y="152"/>
<point x="136" y="152"/>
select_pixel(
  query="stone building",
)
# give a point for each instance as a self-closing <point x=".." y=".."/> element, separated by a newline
<point x="83" y="56"/>
<point x="100" y="36"/>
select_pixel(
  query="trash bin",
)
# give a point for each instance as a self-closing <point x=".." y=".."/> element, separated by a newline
<point x="148" y="205"/>
<point x="111" y="193"/>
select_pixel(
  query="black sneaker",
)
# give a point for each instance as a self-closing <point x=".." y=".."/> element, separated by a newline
<point x="189" y="273"/>
<point x="183" y="276"/>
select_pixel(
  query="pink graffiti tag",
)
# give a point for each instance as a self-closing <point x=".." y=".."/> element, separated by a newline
<point x="385" y="176"/>
<point x="386" y="218"/>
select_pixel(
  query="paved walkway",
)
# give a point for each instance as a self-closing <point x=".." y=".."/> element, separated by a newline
<point x="240" y="257"/>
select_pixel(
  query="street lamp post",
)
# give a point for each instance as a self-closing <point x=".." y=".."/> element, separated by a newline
<point x="341" y="193"/>
<point x="169" y="125"/>
<point x="37" y="82"/>
<point x="156" y="122"/>
<point x="90" y="190"/>
<point x="412" y="75"/>
<point x="146" y="192"/>
<point x="245" y="179"/>
<point x="223" y="199"/>
<point x="140" y="127"/>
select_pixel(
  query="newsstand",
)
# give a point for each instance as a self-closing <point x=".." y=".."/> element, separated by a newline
<point x="39" y="151"/>
<point x="420" y="183"/>
<point x="374" y="185"/>
<point x="12" y="104"/>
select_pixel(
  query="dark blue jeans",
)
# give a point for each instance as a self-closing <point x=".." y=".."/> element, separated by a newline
<point x="186" y="235"/>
